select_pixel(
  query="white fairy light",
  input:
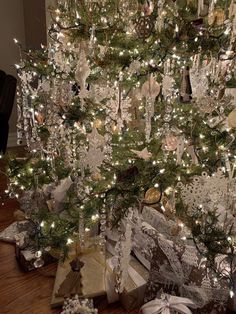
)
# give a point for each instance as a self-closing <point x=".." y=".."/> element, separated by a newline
<point x="69" y="241"/>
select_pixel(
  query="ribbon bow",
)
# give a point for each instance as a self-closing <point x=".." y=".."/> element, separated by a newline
<point x="166" y="304"/>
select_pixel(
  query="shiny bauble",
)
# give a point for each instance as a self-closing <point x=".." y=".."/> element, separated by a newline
<point x="216" y="17"/>
<point x="170" y="142"/>
<point x="96" y="176"/>
<point x="97" y="123"/>
<point x="168" y="210"/>
<point x="40" y="117"/>
<point x="39" y="262"/>
<point x="152" y="196"/>
<point x="115" y="129"/>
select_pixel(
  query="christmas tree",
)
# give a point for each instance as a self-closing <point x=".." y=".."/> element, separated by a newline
<point x="129" y="106"/>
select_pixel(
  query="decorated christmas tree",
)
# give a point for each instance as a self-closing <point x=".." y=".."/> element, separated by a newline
<point x="129" y="113"/>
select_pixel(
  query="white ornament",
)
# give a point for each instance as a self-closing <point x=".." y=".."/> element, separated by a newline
<point x="150" y="90"/>
<point x="60" y="191"/>
<point x="81" y="74"/>
<point x="134" y="67"/>
<point x="167" y="86"/>
<point x="118" y="109"/>
<point x="214" y="192"/>
<point x="94" y="156"/>
<point x="144" y="154"/>
<point x="123" y="247"/>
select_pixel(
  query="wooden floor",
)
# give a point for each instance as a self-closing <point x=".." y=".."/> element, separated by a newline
<point x="28" y="293"/>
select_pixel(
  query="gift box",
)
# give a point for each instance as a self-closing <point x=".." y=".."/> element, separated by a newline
<point x="132" y="296"/>
<point x="89" y="280"/>
<point x="27" y="260"/>
<point x="178" y="269"/>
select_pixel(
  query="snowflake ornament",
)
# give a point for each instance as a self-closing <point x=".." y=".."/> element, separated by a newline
<point x="78" y="306"/>
<point x="94" y="156"/>
<point x="213" y="192"/>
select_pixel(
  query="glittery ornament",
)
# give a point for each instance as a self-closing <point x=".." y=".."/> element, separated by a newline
<point x="96" y="176"/>
<point x="152" y="196"/>
<point x="170" y="142"/>
<point x="97" y="123"/>
<point x="144" y="26"/>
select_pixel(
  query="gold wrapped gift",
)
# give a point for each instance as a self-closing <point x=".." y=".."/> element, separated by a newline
<point x="89" y="281"/>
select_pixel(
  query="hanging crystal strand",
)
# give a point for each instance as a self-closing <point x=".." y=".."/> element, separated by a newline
<point x="123" y="248"/>
<point x="74" y="146"/>
<point x="211" y="11"/>
<point x="81" y="227"/>
<point x="92" y="40"/>
<point x="167" y="67"/>
<point x="161" y="15"/>
<point x="103" y="224"/>
<point x="232" y="15"/>
<point x="26" y="116"/>
<point x="20" y="119"/>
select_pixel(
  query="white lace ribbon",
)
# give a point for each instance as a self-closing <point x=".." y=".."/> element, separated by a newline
<point x="166" y="304"/>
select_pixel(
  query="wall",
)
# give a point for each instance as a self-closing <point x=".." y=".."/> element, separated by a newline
<point x="35" y="23"/>
<point x="11" y="26"/>
<point x="26" y="21"/>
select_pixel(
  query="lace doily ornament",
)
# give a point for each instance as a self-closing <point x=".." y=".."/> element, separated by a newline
<point x="208" y="192"/>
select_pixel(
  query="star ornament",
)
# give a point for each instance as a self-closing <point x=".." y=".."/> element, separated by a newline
<point x="144" y="154"/>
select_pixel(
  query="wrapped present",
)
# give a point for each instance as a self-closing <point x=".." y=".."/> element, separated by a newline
<point x="28" y="261"/>
<point x="168" y="304"/>
<point x="132" y="296"/>
<point x="179" y="269"/>
<point x="15" y="230"/>
<point x="84" y="276"/>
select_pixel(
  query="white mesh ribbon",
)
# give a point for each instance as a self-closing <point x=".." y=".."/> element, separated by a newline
<point x="178" y="274"/>
<point x="166" y="304"/>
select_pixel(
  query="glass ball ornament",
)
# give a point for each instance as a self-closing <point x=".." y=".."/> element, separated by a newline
<point x="152" y="196"/>
<point x="39" y="262"/>
<point x="11" y="195"/>
<point x="38" y="254"/>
